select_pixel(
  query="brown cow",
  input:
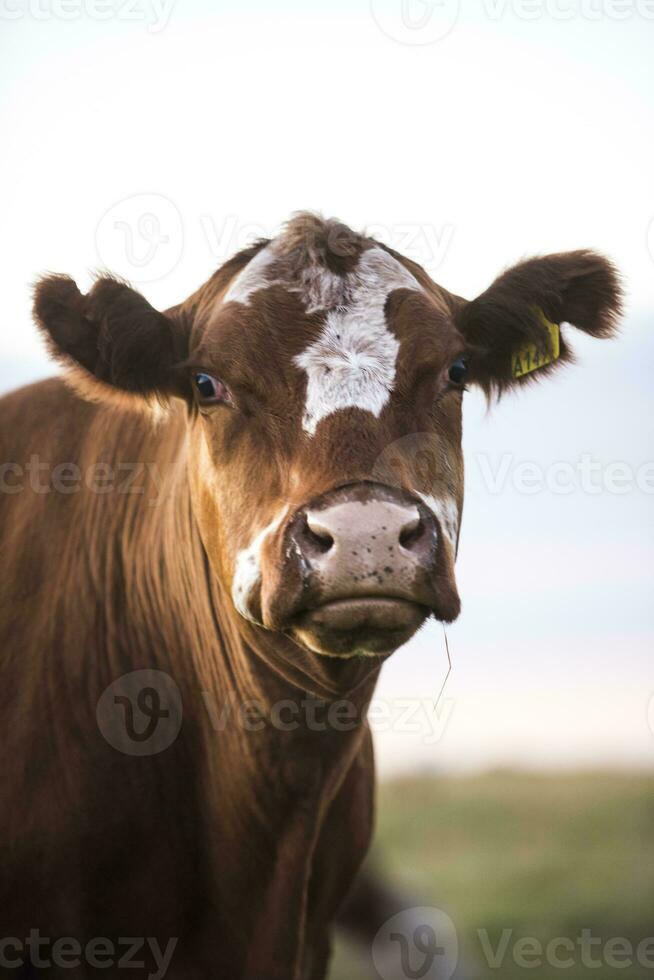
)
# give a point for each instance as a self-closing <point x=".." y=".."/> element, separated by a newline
<point x="197" y="596"/>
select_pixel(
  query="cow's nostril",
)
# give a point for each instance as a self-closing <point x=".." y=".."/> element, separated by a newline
<point x="412" y="532"/>
<point x="318" y="535"/>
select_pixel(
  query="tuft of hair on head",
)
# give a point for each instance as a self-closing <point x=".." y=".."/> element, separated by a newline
<point x="310" y="239"/>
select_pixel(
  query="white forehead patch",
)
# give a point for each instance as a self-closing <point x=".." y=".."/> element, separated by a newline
<point x="352" y="363"/>
<point x="247" y="569"/>
<point x="253" y="277"/>
<point x="318" y="288"/>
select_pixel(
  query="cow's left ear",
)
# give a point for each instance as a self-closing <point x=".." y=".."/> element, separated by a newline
<point x="117" y="339"/>
<point x="512" y="327"/>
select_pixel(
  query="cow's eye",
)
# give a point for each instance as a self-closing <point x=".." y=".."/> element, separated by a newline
<point x="210" y="390"/>
<point x="458" y="371"/>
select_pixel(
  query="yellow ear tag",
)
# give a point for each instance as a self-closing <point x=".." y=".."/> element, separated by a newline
<point x="535" y="356"/>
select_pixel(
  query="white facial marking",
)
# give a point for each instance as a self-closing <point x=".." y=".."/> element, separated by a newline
<point x="247" y="570"/>
<point x="253" y="277"/>
<point x="446" y="512"/>
<point x="352" y="363"/>
<point x="318" y="288"/>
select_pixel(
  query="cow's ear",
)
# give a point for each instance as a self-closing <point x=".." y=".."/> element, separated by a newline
<point x="512" y="328"/>
<point x="117" y="339"/>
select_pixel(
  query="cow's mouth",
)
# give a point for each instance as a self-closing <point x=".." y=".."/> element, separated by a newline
<point x="364" y="625"/>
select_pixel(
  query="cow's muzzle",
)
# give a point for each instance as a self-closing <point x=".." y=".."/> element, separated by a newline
<point x="373" y="565"/>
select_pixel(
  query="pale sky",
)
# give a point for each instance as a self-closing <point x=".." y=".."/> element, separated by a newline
<point x="466" y="135"/>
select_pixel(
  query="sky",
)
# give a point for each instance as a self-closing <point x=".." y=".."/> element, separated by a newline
<point x="156" y="137"/>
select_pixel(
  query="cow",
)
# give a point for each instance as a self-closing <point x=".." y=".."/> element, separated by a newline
<point x="214" y="532"/>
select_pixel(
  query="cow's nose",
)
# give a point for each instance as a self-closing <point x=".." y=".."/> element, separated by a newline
<point x="393" y="525"/>
<point x="366" y="541"/>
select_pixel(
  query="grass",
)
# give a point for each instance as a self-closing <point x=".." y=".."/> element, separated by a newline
<point x="545" y="856"/>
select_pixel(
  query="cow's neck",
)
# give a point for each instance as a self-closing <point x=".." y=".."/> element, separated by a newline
<point x="140" y="593"/>
<point x="178" y="613"/>
<point x="170" y="546"/>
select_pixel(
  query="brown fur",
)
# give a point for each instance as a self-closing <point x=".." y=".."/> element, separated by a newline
<point x="241" y="843"/>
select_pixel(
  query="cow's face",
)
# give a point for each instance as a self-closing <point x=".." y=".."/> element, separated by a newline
<point x="324" y="377"/>
<point x="311" y="384"/>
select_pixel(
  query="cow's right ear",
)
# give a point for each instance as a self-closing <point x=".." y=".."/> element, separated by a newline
<point x="114" y="335"/>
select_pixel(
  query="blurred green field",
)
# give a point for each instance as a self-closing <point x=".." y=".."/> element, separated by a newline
<point x="543" y="855"/>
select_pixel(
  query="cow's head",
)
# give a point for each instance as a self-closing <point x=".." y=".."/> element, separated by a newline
<point x="324" y="376"/>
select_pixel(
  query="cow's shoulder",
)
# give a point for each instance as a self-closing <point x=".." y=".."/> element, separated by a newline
<point x="32" y="406"/>
<point x="51" y="391"/>
<point x="55" y="415"/>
